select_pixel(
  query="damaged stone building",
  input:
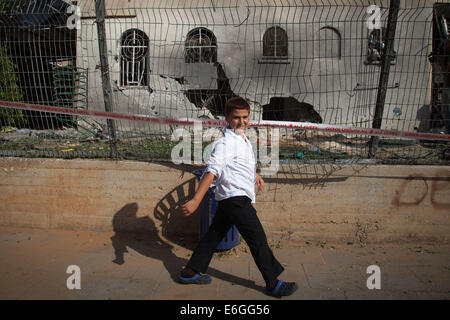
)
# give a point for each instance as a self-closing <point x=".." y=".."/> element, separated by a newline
<point x="292" y="60"/>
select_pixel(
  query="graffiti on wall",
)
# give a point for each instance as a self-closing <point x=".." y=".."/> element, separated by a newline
<point x="415" y="189"/>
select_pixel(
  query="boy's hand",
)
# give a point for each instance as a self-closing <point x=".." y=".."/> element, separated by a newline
<point x="189" y="207"/>
<point x="259" y="182"/>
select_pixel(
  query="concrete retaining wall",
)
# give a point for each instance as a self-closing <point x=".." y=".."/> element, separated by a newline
<point x="335" y="203"/>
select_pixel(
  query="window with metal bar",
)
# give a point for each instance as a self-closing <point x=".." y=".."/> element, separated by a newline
<point x="275" y="43"/>
<point x="200" y="46"/>
<point x="134" y="58"/>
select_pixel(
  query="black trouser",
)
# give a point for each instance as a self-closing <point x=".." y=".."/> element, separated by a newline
<point x="240" y="212"/>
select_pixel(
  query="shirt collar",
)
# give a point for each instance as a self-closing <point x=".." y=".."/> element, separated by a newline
<point x="229" y="132"/>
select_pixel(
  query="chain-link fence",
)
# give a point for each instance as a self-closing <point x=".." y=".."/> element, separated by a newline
<point x="352" y="63"/>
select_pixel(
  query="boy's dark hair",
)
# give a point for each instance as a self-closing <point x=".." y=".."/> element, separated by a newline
<point x="235" y="103"/>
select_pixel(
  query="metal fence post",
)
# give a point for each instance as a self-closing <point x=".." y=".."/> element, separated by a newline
<point x="384" y="76"/>
<point x="106" y="84"/>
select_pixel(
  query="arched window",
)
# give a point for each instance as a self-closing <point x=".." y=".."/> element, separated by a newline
<point x="275" y="43"/>
<point x="200" y="46"/>
<point x="134" y="58"/>
<point x="329" y="44"/>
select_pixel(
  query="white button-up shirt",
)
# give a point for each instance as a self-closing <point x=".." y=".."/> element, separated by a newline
<point x="233" y="164"/>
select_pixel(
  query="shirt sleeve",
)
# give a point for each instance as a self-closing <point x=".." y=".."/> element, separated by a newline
<point x="217" y="160"/>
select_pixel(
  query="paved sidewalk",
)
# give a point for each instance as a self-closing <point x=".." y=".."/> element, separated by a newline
<point x="34" y="264"/>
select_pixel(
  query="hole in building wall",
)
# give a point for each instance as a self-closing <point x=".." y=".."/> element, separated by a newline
<point x="290" y="109"/>
<point x="214" y="100"/>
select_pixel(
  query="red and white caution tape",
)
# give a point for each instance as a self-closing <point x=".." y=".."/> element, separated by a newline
<point x="218" y="123"/>
<point x="355" y="130"/>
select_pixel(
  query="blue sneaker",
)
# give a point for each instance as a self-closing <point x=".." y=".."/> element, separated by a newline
<point x="197" y="279"/>
<point x="283" y="289"/>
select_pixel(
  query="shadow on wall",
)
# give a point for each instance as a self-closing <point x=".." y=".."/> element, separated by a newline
<point x="140" y="234"/>
<point x="174" y="226"/>
<point x="310" y="176"/>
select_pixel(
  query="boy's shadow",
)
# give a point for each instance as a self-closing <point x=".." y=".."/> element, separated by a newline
<point x="141" y="235"/>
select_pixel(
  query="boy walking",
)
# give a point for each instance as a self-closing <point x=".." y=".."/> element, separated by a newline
<point x="232" y="168"/>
